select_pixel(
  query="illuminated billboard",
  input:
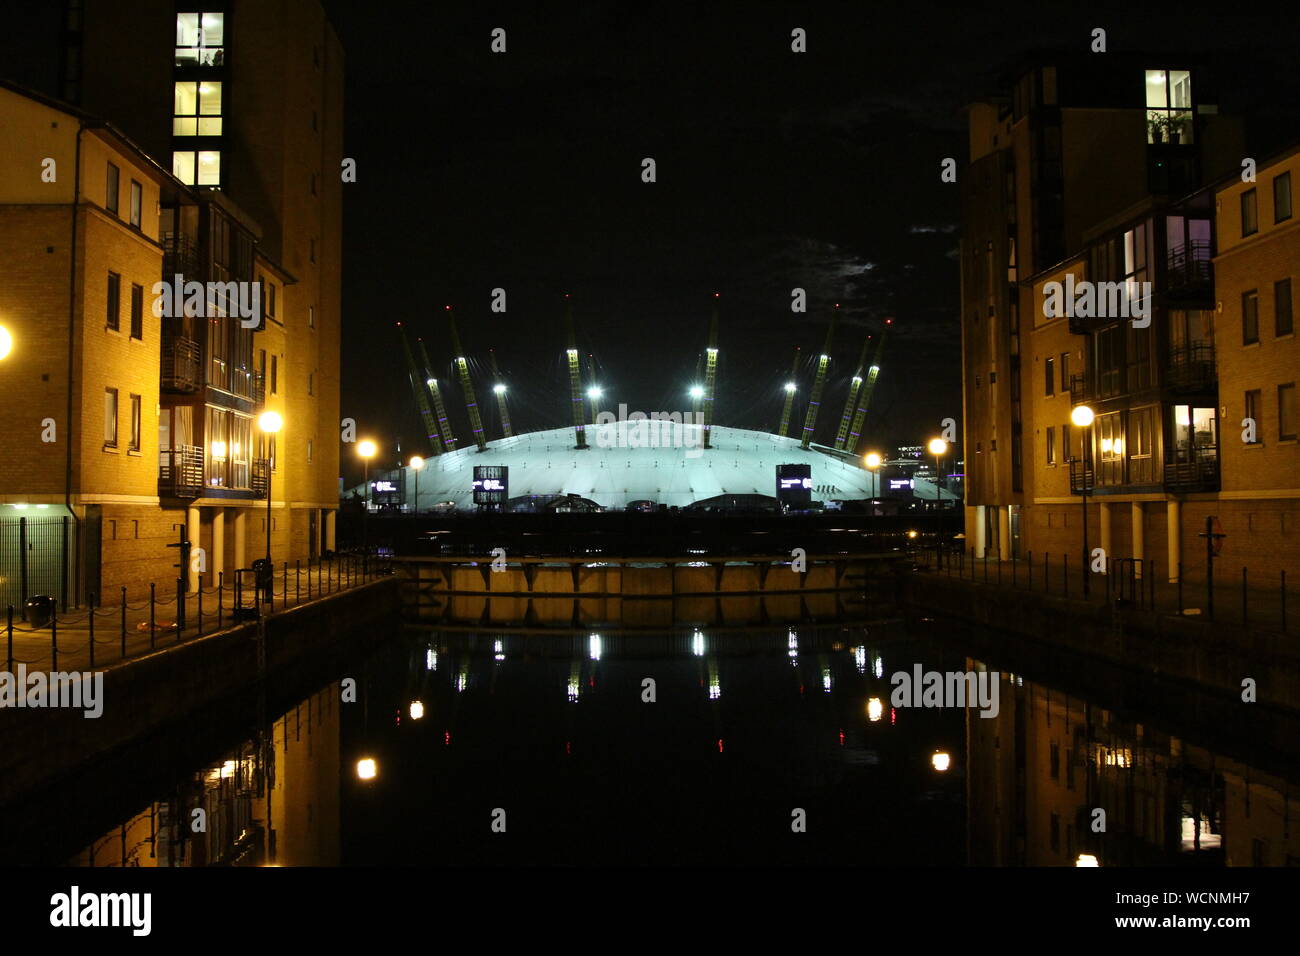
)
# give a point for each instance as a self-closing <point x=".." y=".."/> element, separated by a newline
<point x="794" y="486"/>
<point x="491" y="484"/>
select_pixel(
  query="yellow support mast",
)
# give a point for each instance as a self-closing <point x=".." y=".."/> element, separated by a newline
<point x="815" y="399"/>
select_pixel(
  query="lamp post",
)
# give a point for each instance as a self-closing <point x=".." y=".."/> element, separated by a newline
<point x="1082" y="416"/>
<point x="938" y="447"/>
<point x="366" y="449"/>
<point x="417" y="463"/>
<point x="873" y="462"/>
<point x="6" y="342"/>
<point x="269" y="423"/>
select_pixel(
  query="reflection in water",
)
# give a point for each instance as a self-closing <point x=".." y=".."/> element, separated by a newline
<point x="1058" y="781"/>
<point x="271" y="802"/>
<point x="700" y="746"/>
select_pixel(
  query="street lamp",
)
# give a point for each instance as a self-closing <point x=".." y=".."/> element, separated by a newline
<point x="417" y="463"/>
<point x="6" y="342"/>
<point x="366" y="449"/>
<point x="873" y="461"/>
<point x="789" y="386"/>
<point x="269" y="423"/>
<point x="697" y="391"/>
<point x="1082" y="416"/>
<point x="938" y="447"/>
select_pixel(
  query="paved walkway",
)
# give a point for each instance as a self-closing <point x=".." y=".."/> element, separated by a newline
<point x="1259" y="603"/>
<point x="67" y="646"/>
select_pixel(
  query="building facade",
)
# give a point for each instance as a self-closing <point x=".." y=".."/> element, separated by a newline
<point x="219" y="163"/>
<point x="1093" y="208"/>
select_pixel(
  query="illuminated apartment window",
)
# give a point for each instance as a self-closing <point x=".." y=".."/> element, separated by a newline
<point x="200" y="39"/>
<point x="135" y="423"/>
<point x="208" y="167"/>
<point x="1169" y="106"/>
<point x="197" y="108"/>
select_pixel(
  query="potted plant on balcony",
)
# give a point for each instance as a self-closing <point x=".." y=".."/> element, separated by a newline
<point x="1156" y="127"/>
<point x="1178" y="125"/>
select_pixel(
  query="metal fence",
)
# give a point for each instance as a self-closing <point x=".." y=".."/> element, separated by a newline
<point x="1237" y="595"/>
<point x="37" y="556"/>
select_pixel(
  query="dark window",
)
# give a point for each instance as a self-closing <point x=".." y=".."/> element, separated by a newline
<point x="1056" y="833"/>
<point x="135" y="423"/>
<point x="1252" y="412"/>
<point x="110" y="200"/>
<point x="1049" y="376"/>
<point x="110" y="417"/>
<point x="114" y="300"/>
<point x="1065" y="371"/>
<point x="1286" y="428"/>
<point x="137" y="311"/>
<point x="137" y="200"/>
<point x="1051" y="445"/>
<point x="1282" y="324"/>
<point x="1056" y="760"/>
<point x="313" y="250"/>
<point x="1249" y="317"/>
<point x="1249" y="215"/>
<point x="275" y="370"/>
<point x="993" y="378"/>
<point x="1282" y="197"/>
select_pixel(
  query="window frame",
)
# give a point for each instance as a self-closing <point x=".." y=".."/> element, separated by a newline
<point x="1049" y="376"/>
<point x="1278" y="330"/>
<point x="137" y="312"/>
<point x="112" y="188"/>
<point x="110" y="415"/>
<point x="134" y="442"/>
<point x="113" y="308"/>
<point x="1249" y="296"/>
<point x="137" y="204"/>
<point x="1282" y="177"/>
<point x="1249" y="200"/>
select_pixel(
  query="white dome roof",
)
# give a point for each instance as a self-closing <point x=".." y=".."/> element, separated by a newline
<point x="613" y="473"/>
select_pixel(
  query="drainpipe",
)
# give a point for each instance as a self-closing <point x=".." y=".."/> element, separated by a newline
<point x="72" y="328"/>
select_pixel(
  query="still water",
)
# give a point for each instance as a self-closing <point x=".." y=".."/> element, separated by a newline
<point x="765" y="746"/>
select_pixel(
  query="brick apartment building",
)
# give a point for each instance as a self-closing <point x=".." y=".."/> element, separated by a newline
<point x="201" y="142"/>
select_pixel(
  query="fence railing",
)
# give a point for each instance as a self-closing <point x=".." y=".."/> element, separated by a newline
<point x="1236" y="595"/>
<point x="108" y="633"/>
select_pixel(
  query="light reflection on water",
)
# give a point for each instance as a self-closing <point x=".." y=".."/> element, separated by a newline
<point x="698" y="747"/>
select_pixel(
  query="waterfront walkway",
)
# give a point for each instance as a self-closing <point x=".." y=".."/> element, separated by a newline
<point x="1242" y="597"/>
<point x="122" y="632"/>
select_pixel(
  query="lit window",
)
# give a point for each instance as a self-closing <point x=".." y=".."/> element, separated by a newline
<point x="110" y="417"/>
<point x="1169" y="106"/>
<point x="197" y="109"/>
<point x="183" y="167"/>
<point x="209" y="168"/>
<point x="200" y="38"/>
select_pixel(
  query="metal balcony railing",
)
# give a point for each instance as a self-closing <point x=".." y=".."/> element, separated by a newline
<point x="1189" y="268"/>
<point x="261" y="476"/>
<point x="1191" y="367"/>
<point x="1201" y="473"/>
<point x="1082" y="479"/>
<point x="180" y="256"/>
<point x="180" y="472"/>
<point x="181" y="364"/>
<point x="1082" y="390"/>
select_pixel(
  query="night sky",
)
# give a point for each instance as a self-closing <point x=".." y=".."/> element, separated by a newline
<point x="775" y="170"/>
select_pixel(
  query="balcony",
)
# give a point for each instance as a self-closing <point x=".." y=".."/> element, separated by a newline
<point x="1082" y="479"/>
<point x="181" y="364"/>
<point x="1191" y="368"/>
<point x="1201" y="473"/>
<point x="1189" y="270"/>
<point x="180" y="472"/>
<point x="261" y="476"/>
<point x="1082" y="391"/>
<point x="180" y="256"/>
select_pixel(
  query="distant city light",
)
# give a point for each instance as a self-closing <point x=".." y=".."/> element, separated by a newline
<point x="595" y="392"/>
<point x="873" y="459"/>
<point x="875" y="709"/>
<point x="1086" y="859"/>
<point x="417" y="709"/>
<point x="499" y="389"/>
<point x="940" y="761"/>
<point x="367" y="769"/>
<point x="594" y="647"/>
<point x="789" y="386"/>
<point x="697" y="391"/>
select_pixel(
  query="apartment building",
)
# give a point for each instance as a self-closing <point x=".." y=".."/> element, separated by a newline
<point x="1256" y="269"/>
<point x="1091" y="170"/>
<point x="227" y="120"/>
